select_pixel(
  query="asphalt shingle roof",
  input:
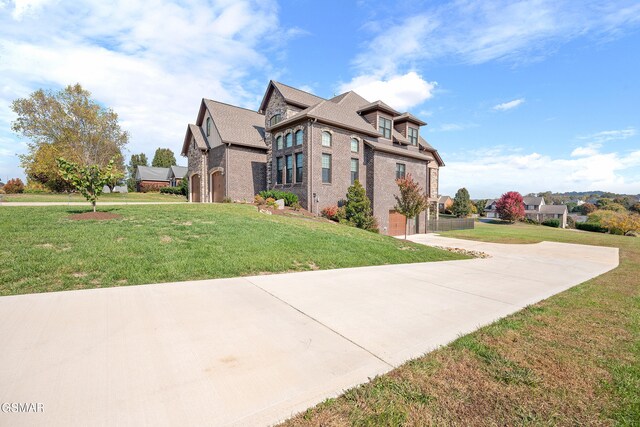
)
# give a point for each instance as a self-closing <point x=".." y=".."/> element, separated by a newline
<point x="297" y="96"/>
<point x="237" y="125"/>
<point x="530" y="200"/>
<point x="553" y="209"/>
<point x="149" y="173"/>
<point x="179" y="171"/>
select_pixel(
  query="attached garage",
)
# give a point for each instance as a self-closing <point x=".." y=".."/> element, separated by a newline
<point x="397" y="224"/>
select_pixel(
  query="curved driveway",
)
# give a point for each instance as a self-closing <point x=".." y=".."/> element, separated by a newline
<point x="255" y="350"/>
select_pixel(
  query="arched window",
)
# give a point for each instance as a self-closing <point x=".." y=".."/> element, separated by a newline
<point x="276" y="118"/>
<point x="299" y="136"/>
<point x="279" y="143"/>
<point x="208" y="126"/>
<point x="326" y="139"/>
<point x="354" y="145"/>
<point x="288" y="140"/>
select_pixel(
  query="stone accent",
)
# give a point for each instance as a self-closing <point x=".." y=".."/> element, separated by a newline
<point x="433" y="183"/>
<point x="195" y="166"/>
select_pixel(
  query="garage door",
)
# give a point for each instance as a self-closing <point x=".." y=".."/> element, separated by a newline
<point x="397" y="223"/>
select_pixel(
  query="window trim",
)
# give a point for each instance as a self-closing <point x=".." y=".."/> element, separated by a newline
<point x="404" y="170"/>
<point x="295" y="137"/>
<point x="353" y="139"/>
<point x="326" y="132"/>
<point x="357" y="171"/>
<point x="411" y="137"/>
<point x="288" y="160"/>
<point x="275" y="119"/>
<point x="382" y="129"/>
<point x="299" y="168"/>
<point x="326" y="155"/>
<point x="279" y="168"/>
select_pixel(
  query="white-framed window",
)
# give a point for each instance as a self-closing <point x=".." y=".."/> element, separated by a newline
<point x="413" y="136"/>
<point x="326" y="139"/>
<point x="384" y="126"/>
<point x="355" y="145"/>
<point x="326" y="168"/>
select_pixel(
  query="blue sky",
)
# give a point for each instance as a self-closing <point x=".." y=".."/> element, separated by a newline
<point x="527" y="96"/>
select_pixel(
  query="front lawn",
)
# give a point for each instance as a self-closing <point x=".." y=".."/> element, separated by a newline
<point x="42" y="250"/>
<point x="573" y="359"/>
<point x="108" y="197"/>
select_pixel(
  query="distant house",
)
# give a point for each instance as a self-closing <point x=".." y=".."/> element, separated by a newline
<point x="159" y="177"/>
<point x="444" y="203"/>
<point x="534" y="209"/>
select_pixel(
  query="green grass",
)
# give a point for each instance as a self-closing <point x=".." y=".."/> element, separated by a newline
<point x="573" y="359"/>
<point x="42" y="250"/>
<point x="109" y="197"/>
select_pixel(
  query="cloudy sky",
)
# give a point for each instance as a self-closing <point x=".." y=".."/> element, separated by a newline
<point x="528" y="96"/>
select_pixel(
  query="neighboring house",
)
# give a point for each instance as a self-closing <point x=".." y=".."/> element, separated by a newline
<point x="534" y="209"/>
<point x="578" y="218"/>
<point x="159" y="177"/>
<point x="313" y="147"/>
<point x="444" y="203"/>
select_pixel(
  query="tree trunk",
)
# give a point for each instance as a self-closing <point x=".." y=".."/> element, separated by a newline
<point x="94" y="205"/>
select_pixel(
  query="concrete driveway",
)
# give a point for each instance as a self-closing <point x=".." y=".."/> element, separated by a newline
<point x="255" y="350"/>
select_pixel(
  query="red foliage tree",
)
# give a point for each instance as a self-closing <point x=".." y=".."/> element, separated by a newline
<point x="14" y="186"/>
<point x="510" y="206"/>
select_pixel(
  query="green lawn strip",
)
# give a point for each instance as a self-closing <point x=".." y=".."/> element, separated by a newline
<point x="107" y="197"/>
<point x="42" y="250"/>
<point x="573" y="359"/>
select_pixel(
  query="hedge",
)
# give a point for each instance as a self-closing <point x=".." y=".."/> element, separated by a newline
<point x="172" y="190"/>
<point x="289" y="198"/>
<point x="589" y="226"/>
<point x="551" y="223"/>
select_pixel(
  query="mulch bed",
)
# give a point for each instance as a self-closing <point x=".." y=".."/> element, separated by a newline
<point x="99" y="216"/>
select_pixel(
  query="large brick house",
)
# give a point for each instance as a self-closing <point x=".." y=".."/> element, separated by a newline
<point x="313" y="147"/>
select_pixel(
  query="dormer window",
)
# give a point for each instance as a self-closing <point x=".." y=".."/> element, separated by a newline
<point x="275" y="119"/>
<point x="384" y="126"/>
<point x="413" y="136"/>
<point x="208" y="126"/>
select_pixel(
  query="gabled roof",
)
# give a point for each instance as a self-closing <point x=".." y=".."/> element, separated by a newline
<point x="149" y="173"/>
<point x="409" y="118"/>
<point x="530" y="200"/>
<point x="178" y="171"/>
<point x="291" y="95"/>
<point x="397" y="136"/>
<point x="339" y="111"/>
<point x="443" y="199"/>
<point x="424" y="145"/>
<point x="489" y="203"/>
<point x="553" y="209"/>
<point x="195" y="132"/>
<point x="378" y="105"/>
<point x="237" y="125"/>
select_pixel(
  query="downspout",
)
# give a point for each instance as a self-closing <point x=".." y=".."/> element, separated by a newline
<point x="310" y="166"/>
<point x="226" y="169"/>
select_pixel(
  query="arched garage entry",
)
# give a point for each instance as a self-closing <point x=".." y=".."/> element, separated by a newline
<point x="194" y="188"/>
<point x="216" y="185"/>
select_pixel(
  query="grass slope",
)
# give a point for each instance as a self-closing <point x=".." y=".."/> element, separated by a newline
<point x="42" y="250"/>
<point x="109" y="197"/>
<point x="573" y="359"/>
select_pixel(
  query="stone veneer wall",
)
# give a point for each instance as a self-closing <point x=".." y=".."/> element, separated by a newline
<point x="194" y="166"/>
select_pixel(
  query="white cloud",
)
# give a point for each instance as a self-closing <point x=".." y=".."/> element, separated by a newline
<point x="151" y="63"/>
<point x="610" y="135"/>
<point x="399" y="91"/>
<point x="495" y="170"/>
<point x="509" y="105"/>
<point x="588" y="150"/>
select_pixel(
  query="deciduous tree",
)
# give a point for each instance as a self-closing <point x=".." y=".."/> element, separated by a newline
<point x="14" y="186"/>
<point x="163" y="158"/>
<point x="69" y="124"/>
<point x="135" y="161"/>
<point x="510" y="206"/>
<point x="88" y="180"/>
<point x="411" y="201"/>
<point x="461" y="203"/>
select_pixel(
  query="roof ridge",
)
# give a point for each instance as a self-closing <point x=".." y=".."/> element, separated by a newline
<point x="231" y="105"/>
<point x="299" y="90"/>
